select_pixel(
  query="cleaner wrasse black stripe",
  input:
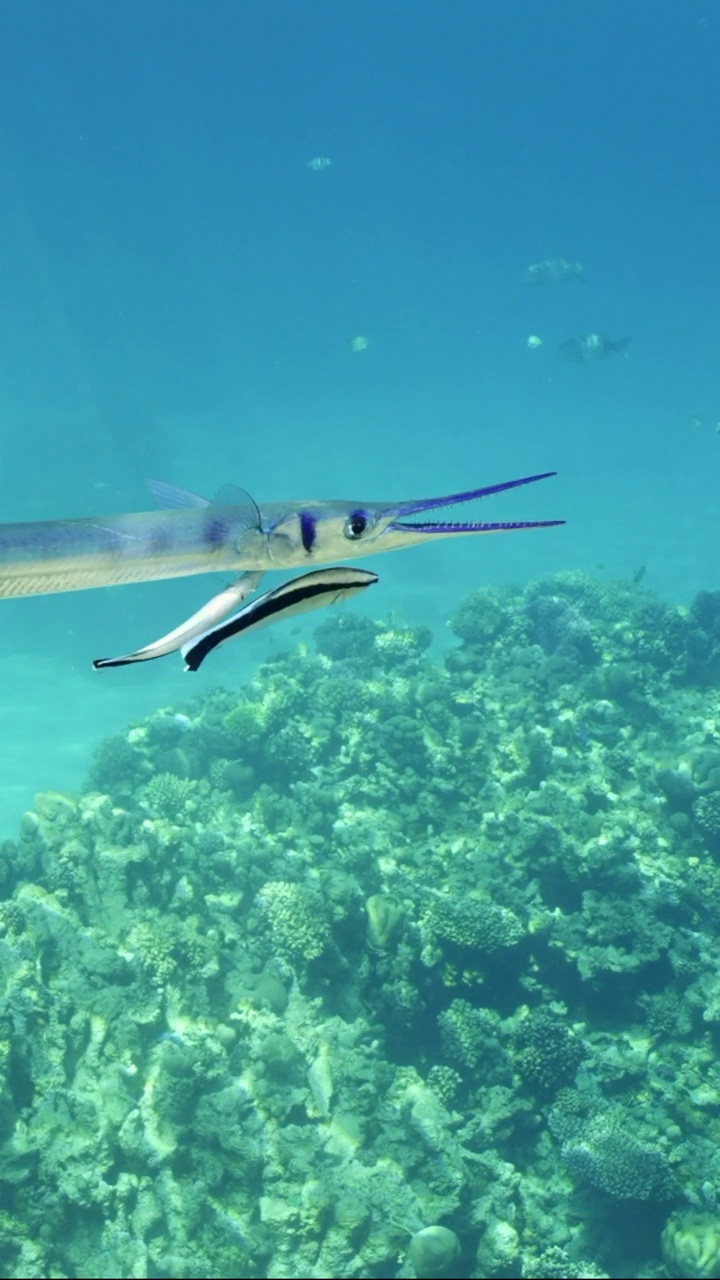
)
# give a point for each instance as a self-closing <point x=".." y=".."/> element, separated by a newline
<point x="301" y="595"/>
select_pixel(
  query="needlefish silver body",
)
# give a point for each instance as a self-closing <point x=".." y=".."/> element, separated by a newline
<point x="191" y="535"/>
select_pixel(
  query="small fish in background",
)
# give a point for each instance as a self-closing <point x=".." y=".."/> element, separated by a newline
<point x="359" y="344"/>
<point x="593" y="346"/>
<point x="638" y="575"/>
<point x="170" y="1037"/>
<point x="699" y="420"/>
<point x="319" y="162"/>
<point x="555" y="271"/>
<point x="534" y="342"/>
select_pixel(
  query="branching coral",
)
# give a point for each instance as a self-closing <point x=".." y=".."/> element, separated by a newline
<point x="707" y="815"/>
<point x="167" y="795"/>
<point x="470" y="923"/>
<point x="295" y="915"/>
<point x="115" y="761"/>
<point x="547" y="1053"/>
<point x="608" y="1156"/>
<point x="470" y="1036"/>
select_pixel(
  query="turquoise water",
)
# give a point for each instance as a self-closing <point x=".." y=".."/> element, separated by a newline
<point x="191" y="292"/>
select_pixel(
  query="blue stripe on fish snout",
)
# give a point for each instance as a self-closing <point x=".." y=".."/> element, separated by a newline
<point x="308" y="525"/>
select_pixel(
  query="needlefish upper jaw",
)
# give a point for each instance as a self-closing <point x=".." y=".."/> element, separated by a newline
<point x="430" y="504"/>
<point x="401" y="530"/>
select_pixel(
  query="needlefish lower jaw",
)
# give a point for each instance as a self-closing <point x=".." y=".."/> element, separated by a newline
<point x="193" y="536"/>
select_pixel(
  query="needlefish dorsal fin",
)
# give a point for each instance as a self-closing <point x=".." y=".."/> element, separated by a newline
<point x="231" y="498"/>
<point x="170" y="497"/>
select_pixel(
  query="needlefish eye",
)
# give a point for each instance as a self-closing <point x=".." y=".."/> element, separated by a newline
<point x="356" y="525"/>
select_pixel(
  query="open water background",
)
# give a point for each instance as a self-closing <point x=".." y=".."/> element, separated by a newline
<point x="180" y="292"/>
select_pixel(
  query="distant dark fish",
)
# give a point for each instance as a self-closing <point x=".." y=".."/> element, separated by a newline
<point x="555" y="271"/>
<point x="300" y="595"/>
<point x="593" y="346"/>
<point x="638" y="576"/>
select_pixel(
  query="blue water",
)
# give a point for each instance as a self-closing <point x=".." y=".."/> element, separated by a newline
<point x="180" y="292"/>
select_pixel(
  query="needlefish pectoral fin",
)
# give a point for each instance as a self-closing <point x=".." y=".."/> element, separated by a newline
<point x="212" y="612"/>
<point x="231" y="505"/>
<point x="301" y="595"/>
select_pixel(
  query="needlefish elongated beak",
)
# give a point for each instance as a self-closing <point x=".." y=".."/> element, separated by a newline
<point x="430" y="527"/>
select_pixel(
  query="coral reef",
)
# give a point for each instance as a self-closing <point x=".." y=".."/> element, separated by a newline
<point x="384" y="964"/>
<point x="612" y="1160"/>
<point x="691" y="1244"/>
<point x="547" y="1053"/>
<point x="433" y="1250"/>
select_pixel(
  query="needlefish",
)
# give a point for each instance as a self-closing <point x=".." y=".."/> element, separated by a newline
<point x="191" y="535"/>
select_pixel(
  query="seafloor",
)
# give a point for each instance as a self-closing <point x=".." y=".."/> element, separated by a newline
<point x="383" y="965"/>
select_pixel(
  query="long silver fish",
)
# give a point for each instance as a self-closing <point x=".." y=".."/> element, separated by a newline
<point x="232" y="534"/>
